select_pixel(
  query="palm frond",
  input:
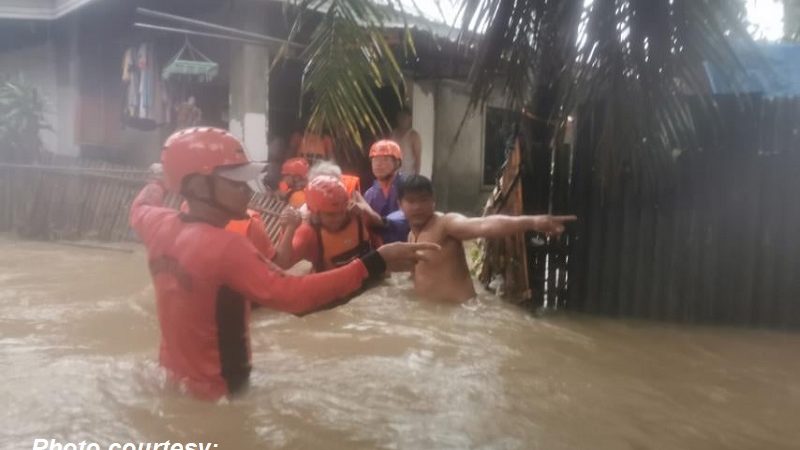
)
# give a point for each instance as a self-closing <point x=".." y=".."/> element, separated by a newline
<point x="639" y="57"/>
<point x="348" y="60"/>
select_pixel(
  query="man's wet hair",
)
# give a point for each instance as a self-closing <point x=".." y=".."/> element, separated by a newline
<point x="414" y="184"/>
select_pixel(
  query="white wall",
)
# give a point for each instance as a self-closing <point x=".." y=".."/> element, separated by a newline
<point x="423" y="102"/>
<point x="249" y="82"/>
<point x="457" y="164"/>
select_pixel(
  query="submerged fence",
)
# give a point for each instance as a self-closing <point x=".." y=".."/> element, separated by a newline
<point x="721" y="245"/>
<point x="68" y="199"/>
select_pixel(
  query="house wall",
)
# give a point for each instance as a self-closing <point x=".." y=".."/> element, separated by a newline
<point x="791" y="18"/>
<point x="249" y="81"/>
<point x="423" y="99"/>
<point x="457" y="162"/>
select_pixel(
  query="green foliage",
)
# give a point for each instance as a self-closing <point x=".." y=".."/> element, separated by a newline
<point x="639" y="59"/>
<point x="21" y="120"/>
<point x="348" y="59"/>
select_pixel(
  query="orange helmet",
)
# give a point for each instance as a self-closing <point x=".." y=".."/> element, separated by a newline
<point x="326" y="193"/>
<point x="386" y="147"/>
<point x="204" y="150"/>
<point x="295" y="166"/>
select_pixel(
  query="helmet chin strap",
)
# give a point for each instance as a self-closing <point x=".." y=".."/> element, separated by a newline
<point x="213" y="202"/>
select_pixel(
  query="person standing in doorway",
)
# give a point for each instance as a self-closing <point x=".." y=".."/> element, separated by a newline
<point x="410" y="143"/>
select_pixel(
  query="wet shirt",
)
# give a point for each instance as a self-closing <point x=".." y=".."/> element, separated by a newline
<point x="202" y="275"/>
<point x="396" y="228"/>
<point x="385" y="204"/>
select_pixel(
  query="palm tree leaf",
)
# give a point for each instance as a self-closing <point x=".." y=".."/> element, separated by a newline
<point x="638" y="56"/>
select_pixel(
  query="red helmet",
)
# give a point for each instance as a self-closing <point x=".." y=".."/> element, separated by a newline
<point x="386" y="147"/>
<point x="295" y="166"/>
<point x="326" y="193"/>
<point x="202" y="150"/>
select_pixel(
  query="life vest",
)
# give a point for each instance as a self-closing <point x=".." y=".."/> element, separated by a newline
<point x="297" y="199"/>
<point x="351" y="183"/>
<point x="340" y="247"/>
<point x="253" y="229"/>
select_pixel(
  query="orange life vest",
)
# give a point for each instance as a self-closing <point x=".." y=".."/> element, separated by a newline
<point x="351" y="183"/>
<point x="340" y="247"/>
<point x="253" y="229"/>
<point x="297" y="198"/>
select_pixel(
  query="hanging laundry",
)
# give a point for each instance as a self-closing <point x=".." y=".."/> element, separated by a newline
<point x="147" y="103"/>
<point x="191" y="63"/>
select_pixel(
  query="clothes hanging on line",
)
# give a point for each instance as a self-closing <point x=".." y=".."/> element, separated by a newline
<point x="147" y="102"/>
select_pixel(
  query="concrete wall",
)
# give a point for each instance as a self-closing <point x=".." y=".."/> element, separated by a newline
<point x="791" y="18"/>
<point x="249" y="81"/>
<point x="457" y="163"/>
<point x="423" y="100"/>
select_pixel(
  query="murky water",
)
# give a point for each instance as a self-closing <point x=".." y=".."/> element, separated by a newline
<point x="78" y="357"/>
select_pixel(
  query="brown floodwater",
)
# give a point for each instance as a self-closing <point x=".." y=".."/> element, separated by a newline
<point x="78" y="336"/>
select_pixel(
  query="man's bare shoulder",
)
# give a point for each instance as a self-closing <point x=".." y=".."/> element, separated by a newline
<point x="435" y="223"/>
<point x="438" y="218"/>
<point x="451" y="217"/>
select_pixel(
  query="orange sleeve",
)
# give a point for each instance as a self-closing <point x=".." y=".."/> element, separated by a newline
<point x="304" y="244"/>
<point x="247" y="272"/>
<point x="257" y="233"/>
<point x="147" y="211"/>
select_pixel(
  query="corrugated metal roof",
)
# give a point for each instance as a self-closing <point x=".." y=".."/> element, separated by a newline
<point x="39" y="9"/>
<point x="773" y="69"/>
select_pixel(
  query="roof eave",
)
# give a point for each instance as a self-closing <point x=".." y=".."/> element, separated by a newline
<point x="53" y="12"/>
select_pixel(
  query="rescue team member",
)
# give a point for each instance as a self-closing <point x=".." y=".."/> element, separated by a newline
<point x="353" y="186"/>
<point x="202" y="274"/>
<point x="336" y="231"/>
<point x="254" y="229"/>
<point x="351" y="182"/>
<point x="294" y="177"/>
<point x="315" y="147"/>
<point x="386" y="159"/>
<point x="444" y="276"/>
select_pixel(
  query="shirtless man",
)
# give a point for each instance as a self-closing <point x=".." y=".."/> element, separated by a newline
<point x="444" y="276"/>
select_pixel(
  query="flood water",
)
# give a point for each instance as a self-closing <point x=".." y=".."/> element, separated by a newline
<point x="79" y="336"/>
